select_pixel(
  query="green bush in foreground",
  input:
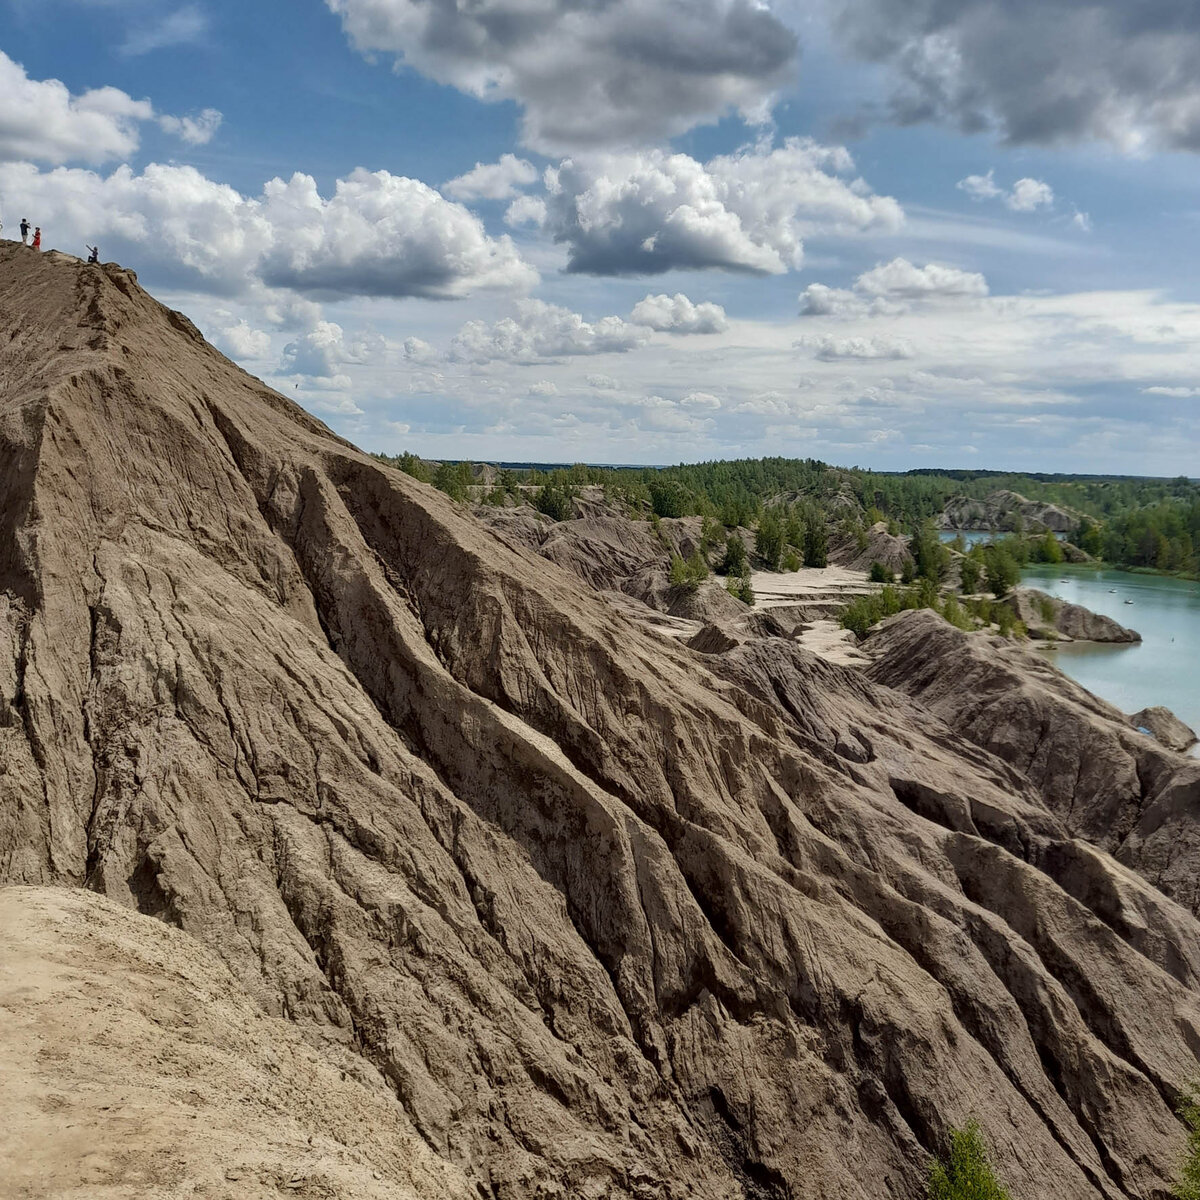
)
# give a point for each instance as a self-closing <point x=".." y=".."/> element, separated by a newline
<point x="965" y="1173"/>
<point x="454" y="479"/>
<point x="1188" y="1187"/>
<point x="970" y="572"/>
<point x="734" y="562"/>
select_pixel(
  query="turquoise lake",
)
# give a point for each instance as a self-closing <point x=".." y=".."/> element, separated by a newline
<point x="1164" y="668"/>
<point x="977" y="537"/>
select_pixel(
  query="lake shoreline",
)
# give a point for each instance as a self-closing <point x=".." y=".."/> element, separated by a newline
<point x="1162" y="607"/>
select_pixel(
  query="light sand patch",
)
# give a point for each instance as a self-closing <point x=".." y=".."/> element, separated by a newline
<point x="828" y="640"/>
<point x="809" y="584"/>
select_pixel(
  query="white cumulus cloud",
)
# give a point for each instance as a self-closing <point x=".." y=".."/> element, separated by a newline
<point x="1030" y="194"/>
<point x="829" y="348"/>
<point x="892" y="288"/>
<point x="377" y="235"/>
<point x="980" y="187"/>
<point x="40" y="120"/>
<point x="650" y="212"/>
<point x="419" y="352"/>
<point x="542" y="331"/>
<point x="493" y="181"/>
<point x="1026" y="195"/>
<point x="900" y="279"/>
<point x="319" y="353"/>
<point x="603" y="383"/>
<point x="677" y="314"/>
<point x="243" y="341"/>
<point x="196" y="130"/>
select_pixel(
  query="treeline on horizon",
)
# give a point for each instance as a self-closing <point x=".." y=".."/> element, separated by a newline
<point x="1126" y="520"/>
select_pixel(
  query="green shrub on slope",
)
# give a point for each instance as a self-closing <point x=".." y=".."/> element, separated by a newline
<point x="965" y="1173"/>
<point x="1188" y="1187"/>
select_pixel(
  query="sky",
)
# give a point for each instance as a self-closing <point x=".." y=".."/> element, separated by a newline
<point x="884" y="233"/>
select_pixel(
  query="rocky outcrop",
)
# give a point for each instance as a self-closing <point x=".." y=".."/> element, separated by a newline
<point x="707" y="602"/>
<point x="588" y="913"/>
<point x="1162" y="724"/>
<point x="1108" y="782"/>
<point x="1006" y="511"/>
<point x="1048" y="617"/>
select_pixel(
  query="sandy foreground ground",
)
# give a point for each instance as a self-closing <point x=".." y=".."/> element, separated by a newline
<point x="135" y="1068"/>
<point x="828" y="640"/>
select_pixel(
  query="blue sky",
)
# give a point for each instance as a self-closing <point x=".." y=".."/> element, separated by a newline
<point x="888" y="233"/>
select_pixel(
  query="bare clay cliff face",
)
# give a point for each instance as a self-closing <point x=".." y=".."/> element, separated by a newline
<point x="593" y="913"/>
<point x="1110" y="783"/>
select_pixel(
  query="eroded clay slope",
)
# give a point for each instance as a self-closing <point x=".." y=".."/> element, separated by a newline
<point x="1107" y="781"/>
<point x="604" y="916"/>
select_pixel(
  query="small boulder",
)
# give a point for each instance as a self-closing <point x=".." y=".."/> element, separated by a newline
<point x="1164" y="726"/>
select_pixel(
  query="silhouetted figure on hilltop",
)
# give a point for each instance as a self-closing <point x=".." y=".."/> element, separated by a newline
<point x="94" y="256"/>
<point x="25" y="231"/>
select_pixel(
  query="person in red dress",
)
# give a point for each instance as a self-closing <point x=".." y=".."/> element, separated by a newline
<point x="37" y="238"/>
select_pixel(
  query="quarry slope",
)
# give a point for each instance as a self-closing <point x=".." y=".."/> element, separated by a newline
<point x="1110" y="783"/>
<point x="590" y="913"/>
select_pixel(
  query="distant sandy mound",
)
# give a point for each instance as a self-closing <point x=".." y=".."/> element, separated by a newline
<point x="882" y="547"/>
<point x="612" y="553"/>
<point x="133" y="1065"/>
<point x="1046" y="616"/>
<point x="1007" y="511"/>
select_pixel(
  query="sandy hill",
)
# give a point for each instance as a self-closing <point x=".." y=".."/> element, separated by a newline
<point x="588" y="913"/>
<point x="134" y="1065"/>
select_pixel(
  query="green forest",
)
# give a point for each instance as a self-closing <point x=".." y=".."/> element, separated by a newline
<point x="1123" y="520"/>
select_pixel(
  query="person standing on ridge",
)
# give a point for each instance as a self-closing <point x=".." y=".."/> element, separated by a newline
<point x="24" y="231"/>
<point x="37" y="238"/>
<point x="94" y="256"/>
